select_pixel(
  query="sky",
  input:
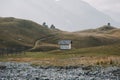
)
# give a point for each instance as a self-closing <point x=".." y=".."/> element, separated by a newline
<point x="70" y="15"/>
<point x="109" y="7"/>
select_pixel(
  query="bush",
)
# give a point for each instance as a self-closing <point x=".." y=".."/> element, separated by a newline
<point x="44" y="48"/>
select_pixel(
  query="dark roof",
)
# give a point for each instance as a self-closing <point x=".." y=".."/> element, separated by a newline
<point x="65" y="42"/>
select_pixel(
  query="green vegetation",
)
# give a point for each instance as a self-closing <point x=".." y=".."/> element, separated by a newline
<point x="88" y="56"/>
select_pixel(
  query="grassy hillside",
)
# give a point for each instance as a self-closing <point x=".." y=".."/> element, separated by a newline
<point x="104" y="35"/>
<point x="15" y="33"/>
<point x="82" y="40"/>
<point x="18" y="32"/>
<point x="95" y="46"/>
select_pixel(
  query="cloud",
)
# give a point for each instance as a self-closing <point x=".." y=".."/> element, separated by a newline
<point x="57" y="0"/>
<point x="104" y="4"/>
<point x="110" y="7"/>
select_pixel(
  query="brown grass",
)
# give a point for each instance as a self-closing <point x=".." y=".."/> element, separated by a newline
<point x="110" y="60"/>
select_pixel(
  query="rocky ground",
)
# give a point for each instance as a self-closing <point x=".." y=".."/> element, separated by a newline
<point x="24" y="71"/>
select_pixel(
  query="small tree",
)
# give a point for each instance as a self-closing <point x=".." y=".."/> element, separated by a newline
<point x="52" y="27"/>
<point x="45" y="25"/>
<point x="109" y="24"/>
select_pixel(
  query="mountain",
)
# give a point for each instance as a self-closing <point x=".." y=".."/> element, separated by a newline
<point x="68" y="15"/>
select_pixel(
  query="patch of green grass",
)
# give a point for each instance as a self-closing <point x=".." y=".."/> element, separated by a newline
<point x="102" y="55"/>
<point x="110" y="50"/>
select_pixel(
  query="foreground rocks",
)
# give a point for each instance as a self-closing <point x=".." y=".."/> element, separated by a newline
<point x="24" y="71"/>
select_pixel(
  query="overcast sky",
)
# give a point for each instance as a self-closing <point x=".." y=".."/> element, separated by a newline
<point x="110" y="7"/>
<point x="68" y="15"/>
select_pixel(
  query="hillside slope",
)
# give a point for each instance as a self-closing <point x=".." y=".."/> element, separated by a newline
<point x="105" y="35"/>
<point x="82" y="40"/>
<point x="18" y="32"/>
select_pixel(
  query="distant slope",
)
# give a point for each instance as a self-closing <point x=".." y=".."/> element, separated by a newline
<point x="105" y="35"/>
<point x="81" y="40"/>
<point x="102" y="29"/>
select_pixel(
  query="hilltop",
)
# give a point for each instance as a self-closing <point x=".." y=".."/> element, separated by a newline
<point x="102" y="29"/>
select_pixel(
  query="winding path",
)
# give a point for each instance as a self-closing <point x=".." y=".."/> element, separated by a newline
<point x="39" y="40"/>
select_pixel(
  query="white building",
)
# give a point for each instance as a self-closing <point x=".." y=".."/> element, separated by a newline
<point x="65" y="44"/>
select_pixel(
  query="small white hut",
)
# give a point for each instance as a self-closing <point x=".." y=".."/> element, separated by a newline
<point x="65" y="44"/>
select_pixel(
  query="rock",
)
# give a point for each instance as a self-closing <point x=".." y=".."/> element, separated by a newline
<point x="24" y="71"/>
<point x="87" y="67"/>
<point x="2" y="67"/>
<point x="116" y="72"/>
